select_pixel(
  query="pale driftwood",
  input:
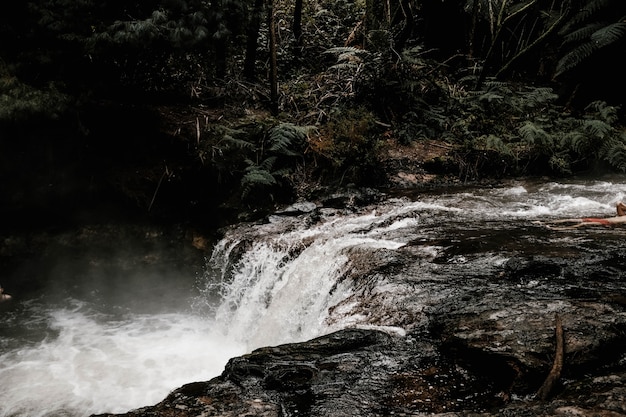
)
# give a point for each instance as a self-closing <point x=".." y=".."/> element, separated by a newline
<point x="555" y="373"/>
<point x="3" y="295"/>
<point x="583" y="222"/>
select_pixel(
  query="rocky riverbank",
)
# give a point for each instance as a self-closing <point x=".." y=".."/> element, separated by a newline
<point x="446" y="333"/>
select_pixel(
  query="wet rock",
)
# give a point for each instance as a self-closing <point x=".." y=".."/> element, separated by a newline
<point x="350" y="198"/>
<point x="297" y="209"/>
<point x="348" y="373"/>
<point x="458" y="325"/>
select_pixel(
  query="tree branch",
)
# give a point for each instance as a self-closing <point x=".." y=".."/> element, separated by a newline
<point x="555" y="373"/>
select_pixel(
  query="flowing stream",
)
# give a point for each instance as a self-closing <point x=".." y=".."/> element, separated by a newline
<point x="265" y="284"/>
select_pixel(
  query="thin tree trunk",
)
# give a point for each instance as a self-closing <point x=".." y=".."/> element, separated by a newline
<point x="472" y="31"/>
<point x="535" y="44"/>
<point x="297" y="22"/>
<point x="375" y="16"/>
<point x="220" y="44"/>
<point x="501" y="23"/>
<point x="407" y="25"/>
<point x="221" y="49"/>
<point x="271" y="24"/>
<point x="252" y="35"/>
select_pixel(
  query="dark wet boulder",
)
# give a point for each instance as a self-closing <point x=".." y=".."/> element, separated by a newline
<point x="451" y="326"/>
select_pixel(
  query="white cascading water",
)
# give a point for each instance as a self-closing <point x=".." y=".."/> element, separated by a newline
<point x="275" y="297"/>
<point x="92" y="365"/>
<point x="279" y="289"/>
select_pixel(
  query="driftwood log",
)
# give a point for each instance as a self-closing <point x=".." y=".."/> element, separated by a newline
<point x="555" y="373"/>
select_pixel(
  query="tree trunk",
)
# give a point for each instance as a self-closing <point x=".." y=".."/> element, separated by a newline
<point x="252" y="35"/>
<point x="297" y="23"/>
<point x="221" y="49"/>
<point x="375" y="16"/>
<point x="407" y="25"/>
<point x="377" y="23"/>
<point x="220" y="42"/>
<point x="271" y="24"/>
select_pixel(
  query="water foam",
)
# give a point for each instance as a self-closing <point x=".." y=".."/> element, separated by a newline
<point x="278" y="289"/>
<point x="92" y="365"/>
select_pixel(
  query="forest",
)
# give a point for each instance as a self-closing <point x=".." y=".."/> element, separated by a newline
<point x="190" y="108"/>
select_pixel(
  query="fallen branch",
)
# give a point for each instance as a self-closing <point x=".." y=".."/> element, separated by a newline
<point x="555" y="373"/>
<point x="168" y="174"/>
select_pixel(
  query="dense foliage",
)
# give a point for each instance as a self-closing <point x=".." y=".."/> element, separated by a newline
<point x="260" y="100"/>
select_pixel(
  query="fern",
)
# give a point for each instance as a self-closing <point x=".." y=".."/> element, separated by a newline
<point x="573" y="58"/>
<point x="539" y="96"/>
<point x="597" y="129"/>
<point x="581" y="34"/>
<point x="274" y="158"/>
<point x="614" y="152"/>
<point x="595" y="137"/>
<point x="588" y="11"/>
<point x="607" y="113"/>
<point x="255" y="176"/>
<point x="287" y="138"/>
<point x="19" y="102"/>
<point x="534" y="135"/>
<point x="495" y="143"/>
<point x="339" y="50"/>
<point x="490" y="97"/>
<point x="576" y="140"/>
<point x="609" y="34"/>
<point x="347" y="56"/>
<point x="589" y="139"/>
<point x="230" y="139"/>
<point x="588" y="36"/>
<point x="560" y="163"/>
<point x="268" y="163"/>
<point x="215" y="140"/>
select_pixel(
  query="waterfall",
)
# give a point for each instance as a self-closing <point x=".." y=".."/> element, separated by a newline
<point x="283" y="286"/>
<point x="288" y="279"/>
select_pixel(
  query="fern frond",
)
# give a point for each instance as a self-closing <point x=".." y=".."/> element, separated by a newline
<point x="534" y="135"/>
<point x="497" y="85"/>
<point x="587" y="12"/>
<point x="490" y="97"/>
<point x="609" y="34"/>
<point x="495" y="143"/>
<point x="576" y="141"/>
<point x="615" y="154"/>
<point x="344" y="65"/>
<point x="538" y="97"/>
<point x="282" y="172"/>
<point x="268" y="163"/>
<point x="287" y="138"/>
<point x="344" y="49"/>
<point x="597" y="128"/>
<point x="255" y="177"/>
<point x="233" y="142"/>
<point x="606" y="112"/>
<point x="560" y="164"/>
<point x="573" y="58"/>
<point x="581" y="34"/>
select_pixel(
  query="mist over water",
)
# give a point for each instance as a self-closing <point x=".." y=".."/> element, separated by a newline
<point x="119" y="342"/>
<point x="89" y="363"/>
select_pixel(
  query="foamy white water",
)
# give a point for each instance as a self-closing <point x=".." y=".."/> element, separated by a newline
<point x="276" y="298"/>
<point x="91" y="364"/>
<point x="280" y="288"/>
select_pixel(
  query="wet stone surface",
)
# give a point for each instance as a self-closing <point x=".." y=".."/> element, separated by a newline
<point x="460" y="323"/>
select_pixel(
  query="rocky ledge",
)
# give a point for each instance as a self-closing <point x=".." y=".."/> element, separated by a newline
<point x="541" y="334"/>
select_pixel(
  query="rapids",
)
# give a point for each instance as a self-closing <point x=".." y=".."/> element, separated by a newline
<point x="278" y="281"/>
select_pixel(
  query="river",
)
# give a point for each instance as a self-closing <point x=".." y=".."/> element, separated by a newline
<point x="283" y="280"/>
